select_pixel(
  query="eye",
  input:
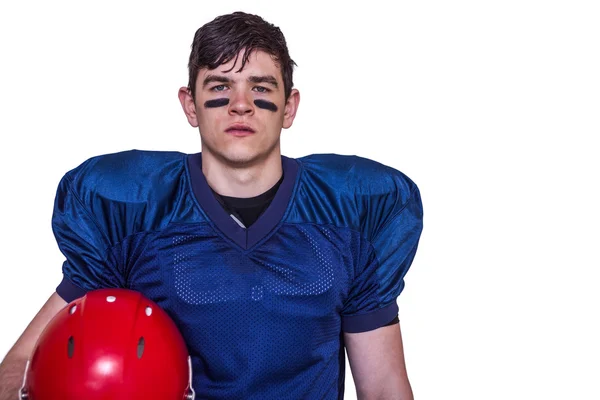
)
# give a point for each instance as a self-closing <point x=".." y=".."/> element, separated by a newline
<point x="261" y="89"/>
<point x="218" y="88"/>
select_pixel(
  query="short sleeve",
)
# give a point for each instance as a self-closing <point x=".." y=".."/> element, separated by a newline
<point x="83" y="241"/>
<point x="386" y="260"/>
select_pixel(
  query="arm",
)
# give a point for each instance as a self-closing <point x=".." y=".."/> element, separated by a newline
<point x="376" y="359"/>
<point x="12" y="367"/>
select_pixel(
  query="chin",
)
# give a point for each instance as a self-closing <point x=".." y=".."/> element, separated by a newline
<point x="241" y="155"/>
<point x="241" y="158"/>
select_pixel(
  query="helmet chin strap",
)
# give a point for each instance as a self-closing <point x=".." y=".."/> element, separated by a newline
<point x="22" y="392"/>
<point x="191" y="395"/>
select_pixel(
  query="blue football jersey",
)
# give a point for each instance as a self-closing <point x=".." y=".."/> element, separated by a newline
<point x="262" y="309"/>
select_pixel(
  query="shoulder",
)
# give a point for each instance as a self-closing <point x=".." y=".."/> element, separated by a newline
<point x="365" y="193"/>
<point x="132" y="190"/>
<point x="128" y="176"/>
<point x="358" y="174"/>
<point x="115" y="175"/>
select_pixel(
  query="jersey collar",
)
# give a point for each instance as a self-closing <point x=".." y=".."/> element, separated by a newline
<point x="266" y="223"/>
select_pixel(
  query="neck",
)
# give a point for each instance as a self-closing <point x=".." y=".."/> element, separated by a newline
<point x="241" y="181"/>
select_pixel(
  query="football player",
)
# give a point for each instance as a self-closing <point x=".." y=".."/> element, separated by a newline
<point x="270" y="266"/>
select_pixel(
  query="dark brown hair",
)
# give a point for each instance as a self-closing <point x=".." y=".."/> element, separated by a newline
<point x="221" y="40"/>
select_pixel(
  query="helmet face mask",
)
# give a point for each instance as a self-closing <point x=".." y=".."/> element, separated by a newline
<point x="110" y="344"/>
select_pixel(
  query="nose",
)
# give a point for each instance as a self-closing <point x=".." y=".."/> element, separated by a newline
<point x="241" y="104"/>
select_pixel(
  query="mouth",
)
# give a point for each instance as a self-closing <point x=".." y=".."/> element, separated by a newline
<point x="240" y="130"/>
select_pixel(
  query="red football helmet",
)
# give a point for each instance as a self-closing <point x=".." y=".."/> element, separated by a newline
<point x="111" y="344"/>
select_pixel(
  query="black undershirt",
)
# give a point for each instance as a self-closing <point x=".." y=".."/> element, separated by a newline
<point x="247" y="210"/>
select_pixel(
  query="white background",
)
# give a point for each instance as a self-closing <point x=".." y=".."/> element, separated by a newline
<point x="492" y="107"/>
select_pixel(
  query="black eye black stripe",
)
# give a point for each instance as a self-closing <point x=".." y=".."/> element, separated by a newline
<point x="267" y="105"/>
<point x="216" y="103"/>
<point x="264" y="104"/>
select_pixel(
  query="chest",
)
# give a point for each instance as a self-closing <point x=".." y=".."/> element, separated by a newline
<point x="301" y="272"/>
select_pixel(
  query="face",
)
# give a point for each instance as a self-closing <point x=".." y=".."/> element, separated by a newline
<point x="240" y="114"/>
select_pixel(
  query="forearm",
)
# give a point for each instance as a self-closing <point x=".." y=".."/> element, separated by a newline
<point x="11" y="376"/>
<point x="383" y="394"/>
<point x="12" y="368"/>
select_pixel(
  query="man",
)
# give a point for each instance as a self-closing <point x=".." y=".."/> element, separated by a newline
<point x="270" y="266"/>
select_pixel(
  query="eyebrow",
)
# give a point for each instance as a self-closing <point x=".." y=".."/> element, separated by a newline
<point x="270" y="79"/>
<point x="215" y="78"/>
<point x="264" y="79"/>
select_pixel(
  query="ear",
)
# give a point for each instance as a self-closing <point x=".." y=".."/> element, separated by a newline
<point x="188" y="105"/>
<point x="291" y="107"/>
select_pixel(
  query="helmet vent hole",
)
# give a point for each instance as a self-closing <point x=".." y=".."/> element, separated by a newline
<point x="70" y="347"/>
<point x="140" y="347"/>
<point x="73" y="309"/>
<point x="111" y="299"/>
<point x="148" y="311"/>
